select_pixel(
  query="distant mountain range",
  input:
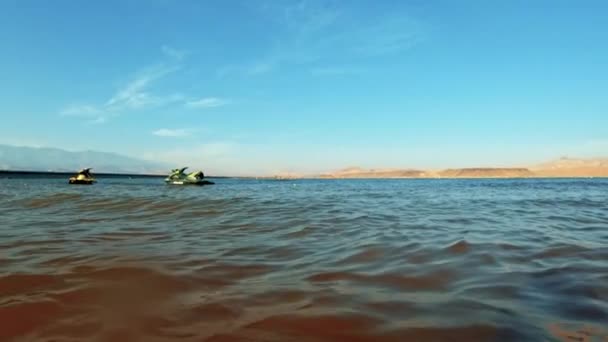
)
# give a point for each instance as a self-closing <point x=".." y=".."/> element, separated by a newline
<point x="17" y="158"/>
<point x="58" y="160"/>
<point x="563" y="167"/>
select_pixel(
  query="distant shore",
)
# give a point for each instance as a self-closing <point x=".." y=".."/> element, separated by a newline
<point x="25" y="173"/>
<point x="561" y="168"/>
<point x="68" y="174"/>
<point x="469" y="173"/>
<point x="473" y="173"/>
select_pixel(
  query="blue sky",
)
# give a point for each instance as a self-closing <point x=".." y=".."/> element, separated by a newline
<point x="259" y="87"/>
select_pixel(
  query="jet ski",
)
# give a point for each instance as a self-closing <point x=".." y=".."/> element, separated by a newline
<point x="83" y="177"/>
<point x="179" y="177"/>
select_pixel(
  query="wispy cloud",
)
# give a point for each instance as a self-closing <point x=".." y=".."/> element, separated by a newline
<point x="207" y="102"/>
<point x="173" y="52"/>
<point x="335" y="71"/>
<point x="81" y="110"/>
<point x="304" y="17"/>
<point x="312" y="31"/>
<point x="138" y="94"/>
<point x="388" y="35"/>
<point x="252" y="69"/>
<point x="92" y="115"/>
<point x="260" y="68"/>
<point x="174" y="133"/>
<point x="132" y="96"/>
<point x="382" y="35"/>
<point x="97" y="121"/>
<point x="135" y="95"/>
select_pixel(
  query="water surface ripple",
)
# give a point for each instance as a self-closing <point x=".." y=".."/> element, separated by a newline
<point x="304" y="260"/>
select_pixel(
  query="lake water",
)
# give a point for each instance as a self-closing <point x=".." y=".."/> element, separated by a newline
<point x="305" y="260"/>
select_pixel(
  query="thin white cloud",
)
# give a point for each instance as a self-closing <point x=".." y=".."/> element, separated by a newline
<point x="253" y="69"/>
<point x="260" y="68"/>
<point x="97" y="121"/>
<point x="207" y="102"/>
<point x="174" y="133"/>
<point x="335" y="71"/>
<point x="388" y="35"/>
<point x="173" y="52"/>
<point x="303" y="17"/>
<point x="81" y="110"/>
<point x="134" y="95"/>
<point x="311" y="31"/>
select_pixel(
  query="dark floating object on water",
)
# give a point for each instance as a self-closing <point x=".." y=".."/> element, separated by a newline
<point x="83" y="177"/>
<point x="178" y="177"/>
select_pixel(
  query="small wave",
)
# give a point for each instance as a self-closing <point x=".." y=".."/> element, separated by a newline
<point x="300" y="233"/>
<point x="234" y="272"/>
<point x="50" y="201"/>
<point x="459" y="247"/>
<point x="561" y="251"/>
<point x="370" y="254"/>
<point x="430" y="282"/>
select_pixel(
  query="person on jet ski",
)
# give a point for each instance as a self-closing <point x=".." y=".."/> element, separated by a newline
<point x="86" y="173"/>
<point x="177" y="173"/>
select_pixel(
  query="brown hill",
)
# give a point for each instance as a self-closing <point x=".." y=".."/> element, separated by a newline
<point x="486" y="173"/>
<point x="573" y="167"/>
<point x="563" y="167"/>
<point x="355" y="172"/>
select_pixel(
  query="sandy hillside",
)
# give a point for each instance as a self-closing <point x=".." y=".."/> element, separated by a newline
<point x="564" y="167"/>
<point x="356" y="172"/>
<point x="573" y="167"/>
<point x="486" y="173"/>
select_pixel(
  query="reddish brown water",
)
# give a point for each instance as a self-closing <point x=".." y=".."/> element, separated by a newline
<point x="134" y="260"/>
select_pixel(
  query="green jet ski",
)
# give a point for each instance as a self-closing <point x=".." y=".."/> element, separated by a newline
<point x="83" y="177"/>
<point x="179" y="177"/>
